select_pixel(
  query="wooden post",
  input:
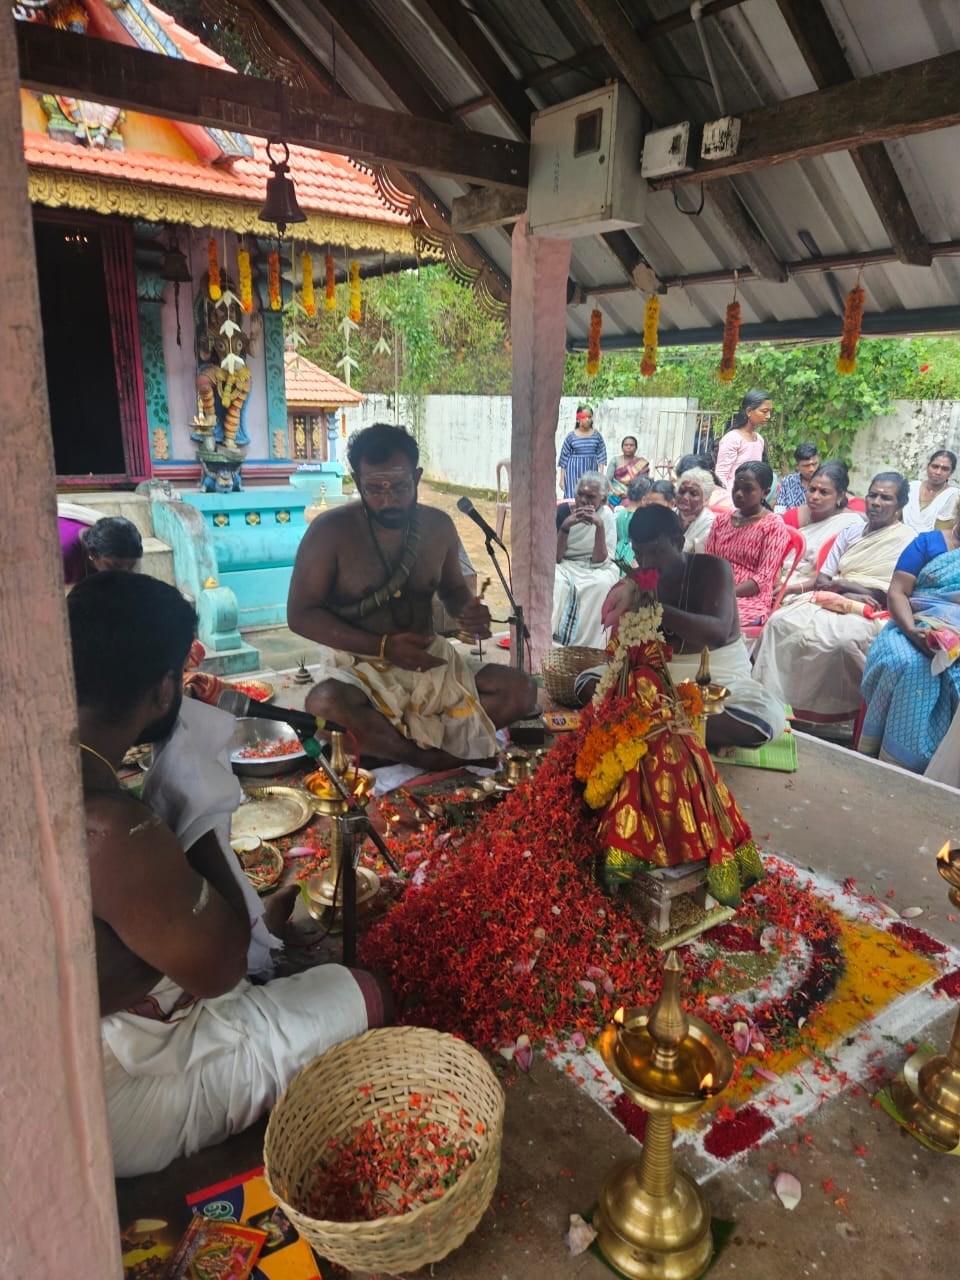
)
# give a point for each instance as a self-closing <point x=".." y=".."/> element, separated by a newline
<point x="538" y="330"/>
<point x="57" y="1175"/>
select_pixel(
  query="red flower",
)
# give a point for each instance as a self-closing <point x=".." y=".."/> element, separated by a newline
<point x="646" y="579"/>
<point x="739" y="1132"/>
<point x="924" y="368"/>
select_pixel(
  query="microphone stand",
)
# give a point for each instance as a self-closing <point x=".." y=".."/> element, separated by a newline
<point x="519" y="626"/>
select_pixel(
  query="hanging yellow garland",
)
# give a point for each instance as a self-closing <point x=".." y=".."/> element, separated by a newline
<point x="273" y="280"/>
<point x="651" y="338"/>
<point x="593" y="342"/>
<point x="213" y="285"/>
<point x="727" y="368"/>
<point x="354" y="291"/>
<point x="306" y="270"/>
<point x="852" y="321"/>
<point x="329" y="283"/>
<point x="246" y="281"/>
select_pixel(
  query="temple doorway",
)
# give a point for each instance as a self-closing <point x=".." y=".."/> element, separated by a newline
<point x="87" y="308"/>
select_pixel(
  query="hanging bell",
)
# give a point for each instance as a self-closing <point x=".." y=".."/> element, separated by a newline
<point x="281" y="206"/>
<point x="175" y="266"/>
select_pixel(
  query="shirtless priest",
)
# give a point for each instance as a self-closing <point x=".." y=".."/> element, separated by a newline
<point x="192" y="1051"/>
<point x="363" y="586"/>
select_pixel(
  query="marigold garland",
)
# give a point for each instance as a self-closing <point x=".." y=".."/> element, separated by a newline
<point x="273" y="280"/>
<point x="852" y="321"/>
<point x="213" y="267"/>
<point x="727" y="368"/>
<point x="354" y="291"/>
<point x="306" y="271"/>
<point x="593" y="342"/>
<point x="329" y="283"/>
<point x="246" y="281"/>
<point x="651" y="339"/>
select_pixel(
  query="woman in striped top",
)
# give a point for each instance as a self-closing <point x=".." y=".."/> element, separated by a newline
<point x="583" y="450"/>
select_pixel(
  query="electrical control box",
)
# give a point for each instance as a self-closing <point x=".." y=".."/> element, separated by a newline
<point x="585" y="165"/>
<point x="667" y="151"/>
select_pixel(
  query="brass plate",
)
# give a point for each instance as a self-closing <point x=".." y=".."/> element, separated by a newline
<point x="258" y="690"/>
<point x="264" y="868"/>
<point x="272" y="812"/>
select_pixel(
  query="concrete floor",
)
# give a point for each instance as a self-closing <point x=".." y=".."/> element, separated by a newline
<point x="843" y="816"/>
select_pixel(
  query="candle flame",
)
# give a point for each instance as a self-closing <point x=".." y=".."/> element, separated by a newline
<point x="944" y="854"/>
<point x="618" y="1016"/>
<point x="706" y="1083"/>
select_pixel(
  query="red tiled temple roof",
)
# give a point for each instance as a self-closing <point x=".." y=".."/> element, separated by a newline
<point x="309" y="386"/>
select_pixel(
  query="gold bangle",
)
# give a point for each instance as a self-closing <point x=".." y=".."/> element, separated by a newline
<point x="383" y="646"/>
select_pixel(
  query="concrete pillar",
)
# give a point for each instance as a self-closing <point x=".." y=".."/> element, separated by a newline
<point x="538" y="332"/>
<point x="58" y="1194"/>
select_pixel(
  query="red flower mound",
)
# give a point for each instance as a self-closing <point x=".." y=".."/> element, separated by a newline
<point x="506" y="933"/>
<point x="731" y="1134"/>
<point x="949" y="985"/>
<point x="917" y="940"/>
<point x="732" y="938"/>
<point x="632" y="1117"/>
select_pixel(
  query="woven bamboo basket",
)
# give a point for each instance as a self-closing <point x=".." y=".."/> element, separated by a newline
<point x="560" y="668"/>
<point x="324" y="1101"/>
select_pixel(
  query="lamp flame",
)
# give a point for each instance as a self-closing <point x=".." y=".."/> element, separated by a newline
<point x="618" y="1016"/>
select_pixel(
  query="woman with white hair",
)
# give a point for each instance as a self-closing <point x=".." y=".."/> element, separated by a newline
<point x="693" y="493"/>
<point x="585" y="568"/>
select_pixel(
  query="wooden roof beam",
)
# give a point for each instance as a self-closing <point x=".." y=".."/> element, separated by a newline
<point x="913" y="99"/>
<point x="85" y="67"/>
<point x="638" y="67"/>
<point x="827" y="62"/>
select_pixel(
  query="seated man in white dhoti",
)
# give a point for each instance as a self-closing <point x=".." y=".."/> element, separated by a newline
<point x="699" y="611"/>
<point x="363" y="586"/>
<point x="586" y="569"/>
<point x="192" y="1051"/>
<point x="812" y="652"/>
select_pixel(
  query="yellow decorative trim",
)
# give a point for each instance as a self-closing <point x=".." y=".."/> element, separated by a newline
<point x="210" y="584"/>
<point x="56" y="190"/>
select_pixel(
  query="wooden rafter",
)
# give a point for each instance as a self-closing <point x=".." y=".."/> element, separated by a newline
<point x="913" y="99"/>
<point x="811" y="28"/>
<point x="638" y="67"/>
<point x="85" y="67"/>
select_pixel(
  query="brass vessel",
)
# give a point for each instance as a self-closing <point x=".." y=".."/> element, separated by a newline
<point x="928" y="1096"/>
<point x="652" y="1222"/>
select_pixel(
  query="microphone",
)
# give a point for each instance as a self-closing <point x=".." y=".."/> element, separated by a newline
<point x="238" y="704"/>
<point x="471" y="512"/>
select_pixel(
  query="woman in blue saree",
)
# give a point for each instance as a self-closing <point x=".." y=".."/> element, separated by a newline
<point x="910" y="685"/>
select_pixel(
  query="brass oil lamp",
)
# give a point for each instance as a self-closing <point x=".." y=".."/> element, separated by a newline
<point x="332" y="789"/>
<point x="652" y="1222"/>
<point x="928" y="1096"/>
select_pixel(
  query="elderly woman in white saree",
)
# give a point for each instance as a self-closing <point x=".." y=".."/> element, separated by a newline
<point x="824" y="514"/>
<point x="812" y="652"/>
<point x="585" y="571"/>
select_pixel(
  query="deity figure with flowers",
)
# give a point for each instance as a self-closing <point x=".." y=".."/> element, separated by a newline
<point x="647" y="770"/>
<point x="223" y="377"/>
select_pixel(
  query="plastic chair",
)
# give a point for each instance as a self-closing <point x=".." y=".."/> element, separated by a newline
<point x="825" y="551"/>
<point x="795" y="547"/>
<point x="503" y="495"/>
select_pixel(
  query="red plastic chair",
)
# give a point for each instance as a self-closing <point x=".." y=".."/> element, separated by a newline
<point x="825" y="551"/>
<point x="795" y="547"/>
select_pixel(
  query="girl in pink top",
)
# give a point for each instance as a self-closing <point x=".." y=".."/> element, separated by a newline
<point x="743" y="442"/>
<point x="753" y="540"/>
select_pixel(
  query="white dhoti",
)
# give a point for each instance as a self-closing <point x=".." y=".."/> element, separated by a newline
<point x="174" y="1087"/>
<point x="814" y="659"/>
<point x="439" y="708"/>
<point x="579" y="590"/>
<point x="749" y="702"/>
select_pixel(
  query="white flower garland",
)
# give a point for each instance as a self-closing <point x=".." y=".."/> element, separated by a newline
<point x="641" y="626"/>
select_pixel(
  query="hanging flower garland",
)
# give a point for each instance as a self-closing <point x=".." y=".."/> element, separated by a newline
<point x="273" y="279"/>
<point x="306" y="271"/>
<point x="593" y="342"/>
<point x="727" y="368"/>
<point x="213" y="285"/>
<point x="852" y="321"/>
<point x="651" y="339"/>
<point x="354" y="291"/>
<point x="329" y="283"/>
<point x="246" y="281"/>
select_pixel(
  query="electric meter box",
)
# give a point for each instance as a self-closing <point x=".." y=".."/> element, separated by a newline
<point x="585" y="165"/>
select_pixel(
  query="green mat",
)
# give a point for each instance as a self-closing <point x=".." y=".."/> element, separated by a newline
<point x="780" y="755"/>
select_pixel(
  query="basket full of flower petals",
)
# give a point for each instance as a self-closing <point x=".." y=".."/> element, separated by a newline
<point x="384" y="1152"/>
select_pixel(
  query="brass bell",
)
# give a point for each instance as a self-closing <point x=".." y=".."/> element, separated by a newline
<point x="281" y="206"/>
<point x="175" y="266"/>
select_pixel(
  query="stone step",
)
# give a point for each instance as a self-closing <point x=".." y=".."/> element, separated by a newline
<point x="132" y="506"/>
<point x="157" y="560"/>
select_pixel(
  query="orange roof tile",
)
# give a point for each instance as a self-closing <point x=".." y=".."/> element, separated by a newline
<point x="310" y="386"/>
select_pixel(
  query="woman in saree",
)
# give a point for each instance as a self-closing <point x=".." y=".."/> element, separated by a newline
<point x="624" y="469"/>
<point x="718" y="499"/>
<point x="753" y="540"/>
<point x="825" y="512"/>
<point x="811" y="652"/>
<point x="911" y="684"/>
<point x="637" y="490"/>
<point x="933" y="501"/>
<point x="585" y="569"/>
